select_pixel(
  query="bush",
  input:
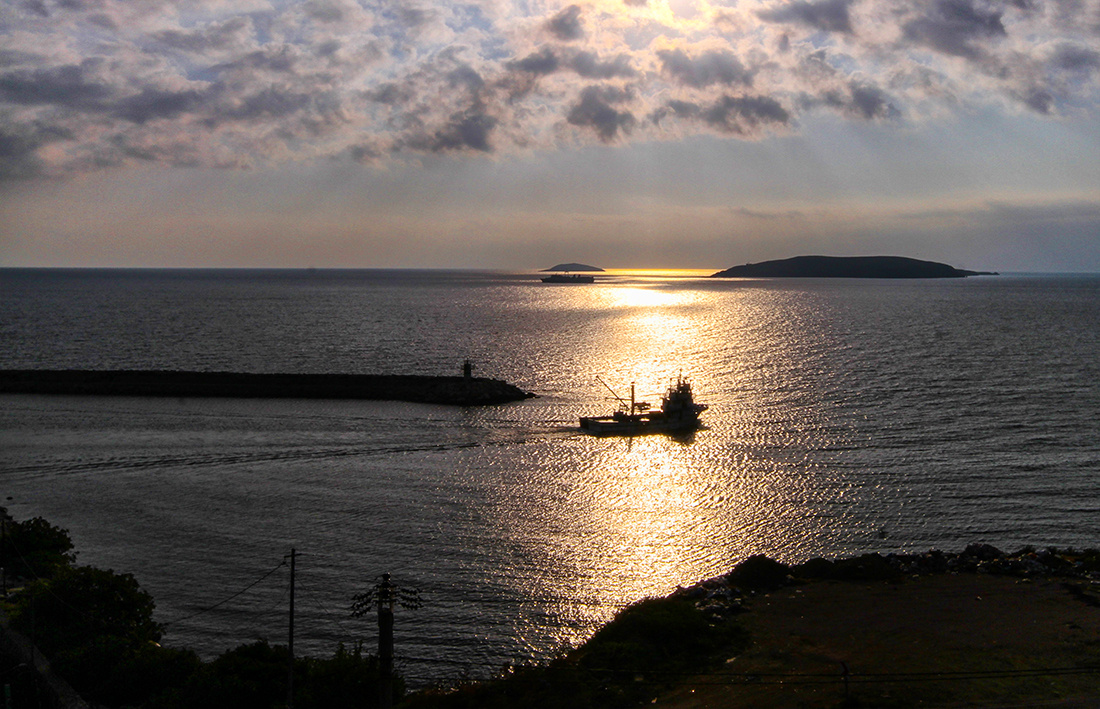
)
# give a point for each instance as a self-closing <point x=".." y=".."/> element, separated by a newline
<point x="759" y="573"/>
<point x="254" y="676"/>
<point x="649" y="645"/>
<point x="84" y="605"/>
<point x="35" y="549"/>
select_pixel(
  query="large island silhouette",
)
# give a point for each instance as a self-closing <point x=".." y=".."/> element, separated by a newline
<point x="848" y="267"/>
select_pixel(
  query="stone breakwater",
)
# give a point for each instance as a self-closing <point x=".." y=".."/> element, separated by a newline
<point x="457" y="390"/>
<point x="726" y="595"/>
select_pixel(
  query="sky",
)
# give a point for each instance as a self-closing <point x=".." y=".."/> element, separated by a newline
<point x="517" y="135"/>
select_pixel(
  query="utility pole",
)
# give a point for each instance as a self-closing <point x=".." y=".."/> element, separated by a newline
<point x="384" y="596"/>
<point x="387" y="593"/>
<point x="3" y="552"/>
<point x="290" y="638"/>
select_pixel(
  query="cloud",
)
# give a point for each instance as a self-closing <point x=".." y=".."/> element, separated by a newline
<point x="955" y="27"/>
<point x="596" y="110"/>
<point x="217" y="36"/>
<point x="87" y="85"/>
<point x="858" y="100"/>
<point x="827" y="15"/>
<point x="710" y="67"/>
<point x="1076" y="58"/>
<point x="18" y="148"/>
<point x="69" y="86"/>
<point x="465" y="131"/>
<point x="744" y="116"/>
<point x="566" y="25"/>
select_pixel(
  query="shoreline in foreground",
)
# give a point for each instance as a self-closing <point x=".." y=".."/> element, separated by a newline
<point x="447" y="390"/>
<point x="976" y="628"/>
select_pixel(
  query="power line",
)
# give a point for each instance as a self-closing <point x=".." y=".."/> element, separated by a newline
<point x="228" y="599"/>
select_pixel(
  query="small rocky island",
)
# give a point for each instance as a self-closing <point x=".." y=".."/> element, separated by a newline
<point x="848" y="267"/>
<point x="463" y="390"/>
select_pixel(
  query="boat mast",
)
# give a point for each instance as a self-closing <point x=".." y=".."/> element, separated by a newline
<point x="616" y="395"/>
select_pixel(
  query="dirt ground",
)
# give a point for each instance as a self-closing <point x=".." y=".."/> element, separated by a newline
<point x="944" y="640"/>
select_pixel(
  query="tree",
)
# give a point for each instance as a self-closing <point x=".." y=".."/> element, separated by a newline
<point x="83" y="604"/>
<point x="97" y="628"/>
<point x="35" y="549"/>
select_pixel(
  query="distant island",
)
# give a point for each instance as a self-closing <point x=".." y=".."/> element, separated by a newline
<point x="572" y="267"/>
<point x="848" y="267"/>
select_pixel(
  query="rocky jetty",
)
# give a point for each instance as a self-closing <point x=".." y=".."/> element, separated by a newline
<point x="847" y="267"/>
<point x="457" y="390"/>
<point x="726" y="595"/>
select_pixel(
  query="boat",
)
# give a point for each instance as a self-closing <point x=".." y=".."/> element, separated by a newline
<point x="568" y="278"/>
<point x="678" y="413"/>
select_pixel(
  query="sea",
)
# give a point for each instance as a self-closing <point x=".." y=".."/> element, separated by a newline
<point x="845" y="417"/>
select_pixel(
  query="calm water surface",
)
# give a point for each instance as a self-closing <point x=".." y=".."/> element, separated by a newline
<point x="846" y="416"/>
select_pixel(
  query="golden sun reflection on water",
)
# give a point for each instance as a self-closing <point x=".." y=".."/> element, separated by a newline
<point x="637" y="517"/>
<point x="641" y="509"/>
<point x="641" y="297"/>
<point x="647" y="511"/>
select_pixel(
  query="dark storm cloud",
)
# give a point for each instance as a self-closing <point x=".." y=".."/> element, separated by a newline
<point x="743" y="114"/>
<point x="18" y="147"/>
<point x="711" y="67"/>
<point x="325" y="11"/>
<point x="596" y="110"/>
<point x="954" y="27"/>
<point x="590" y="66"/>
<point x="76" y="89"/>
<point x="736" y="115"/>
<point x="70" y="86"/>
<point x="827" y="15"/>
<point x="150" y="104"/>
<point x="222" y="35"/>
<point x="1075" y="58"/>
<point x="566" y="25"/>
<point x="390" y="93"/>
<point x="465" y="76"/>
<point x="281" y="59"/>
<point x="266" y="104"/>
<point x="871" y="102"/>
<point x="858" y="100"/>
<point x="538" y="63"/>
<point x="587" y="64"/>
<point x="1037" y="99"/>
<point x="465" y="131"/>
<point x="35" y="7"/>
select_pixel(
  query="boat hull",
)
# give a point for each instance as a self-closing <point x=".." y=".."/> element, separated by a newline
<point x="558" y="278"/>
<point x="635" y="425"/>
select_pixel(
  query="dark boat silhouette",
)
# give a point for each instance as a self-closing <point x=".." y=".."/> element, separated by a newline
<point x="678" y="413"/>
<point x="568" y="278"/>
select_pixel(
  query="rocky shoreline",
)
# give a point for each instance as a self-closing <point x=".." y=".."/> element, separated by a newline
<point x="725" y="595"/>
<point x="455" y="391"/>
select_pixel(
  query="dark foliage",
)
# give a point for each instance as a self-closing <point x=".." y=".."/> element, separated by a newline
<point x="97" y="628"/>
<point x="649" y="646"/>
<point x="759" y="573"/>
<point x="82" y="606"/>
<point x="254" y="676"/>
<point x="35" y="549"/>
